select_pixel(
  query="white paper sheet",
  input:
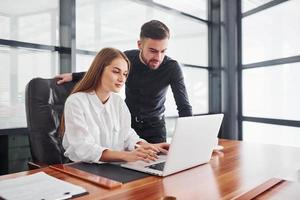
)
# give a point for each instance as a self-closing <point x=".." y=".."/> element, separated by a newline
<point x="39" y="186"/>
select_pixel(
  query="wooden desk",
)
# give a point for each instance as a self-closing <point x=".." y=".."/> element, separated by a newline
<point x="238" y="168"/>
<point x="285" y="190"/>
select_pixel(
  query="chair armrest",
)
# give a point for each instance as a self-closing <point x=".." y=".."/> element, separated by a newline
<point x="36" y="165"/>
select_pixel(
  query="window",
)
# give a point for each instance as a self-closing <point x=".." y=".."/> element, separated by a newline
<point x="33" y="25"/>
<point x="196" y="8"/>
<point x="4" y="24"/>
<point x="271" y="92"/>
<point x="252" y="4"/>
<point x="18" y="66"/>
<point x="271" y="33"/>
<point x="34" y="21"/>
<point x="83" y="62"/>
<point x="196" y="81"/>
<point x="271" y="134"/>
<point x="271" y="63"/>
<point x="97" y="27"/>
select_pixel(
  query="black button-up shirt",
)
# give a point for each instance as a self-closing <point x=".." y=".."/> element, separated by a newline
<point x="146" y="88"/>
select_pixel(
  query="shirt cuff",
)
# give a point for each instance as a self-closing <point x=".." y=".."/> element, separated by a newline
<point x="97" y="153"/>
<point x="77" y="76"/>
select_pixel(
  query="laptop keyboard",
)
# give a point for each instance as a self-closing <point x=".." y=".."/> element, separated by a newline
<point x="158" y="166"/>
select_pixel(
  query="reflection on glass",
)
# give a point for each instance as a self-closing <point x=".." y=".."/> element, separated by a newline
<point x="251" y="4"/>
<point x="196" y="81"/>
<point x="196" y="8"/>
<point x="271" y="92"/>
<point x="34" y="22"/>
<point x="18" y="67"/>
<point x="102" y="23"/>
<point x="272" y="33"/>
<point x="271" y="134"/>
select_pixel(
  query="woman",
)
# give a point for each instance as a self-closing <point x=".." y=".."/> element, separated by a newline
<point x="96" y="121"/>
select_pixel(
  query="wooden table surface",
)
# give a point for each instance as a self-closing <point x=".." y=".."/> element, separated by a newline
<point x="235" y="170"/>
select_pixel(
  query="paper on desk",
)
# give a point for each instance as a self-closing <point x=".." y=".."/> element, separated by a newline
<point x="38" y="186"/>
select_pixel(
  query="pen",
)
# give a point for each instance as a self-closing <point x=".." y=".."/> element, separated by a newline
<point x="67" y="195"/>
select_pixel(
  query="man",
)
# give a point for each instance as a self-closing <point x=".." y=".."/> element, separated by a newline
<point x="146" y="87"/>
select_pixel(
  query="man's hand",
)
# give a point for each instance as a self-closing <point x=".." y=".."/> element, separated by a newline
<point x="63" y="78"/>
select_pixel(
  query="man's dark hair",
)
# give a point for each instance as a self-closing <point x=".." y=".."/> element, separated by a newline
<point x="154" y="29"/>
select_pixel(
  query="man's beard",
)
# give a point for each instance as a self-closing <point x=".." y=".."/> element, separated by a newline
<point x="148" y="63"/>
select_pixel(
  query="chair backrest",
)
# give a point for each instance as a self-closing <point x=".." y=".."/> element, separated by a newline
<point x="44" y="102"/>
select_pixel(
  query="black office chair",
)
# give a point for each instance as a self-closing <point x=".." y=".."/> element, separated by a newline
<point x="44" y="102"/>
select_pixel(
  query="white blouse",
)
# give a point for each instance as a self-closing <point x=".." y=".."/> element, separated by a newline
<point x="91" y="126"/>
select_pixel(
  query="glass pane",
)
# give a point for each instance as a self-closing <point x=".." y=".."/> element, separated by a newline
<point x="83" y="62"/>
<point x="4" y="24"/>
<point x="196" y="8"/>
<point x="189" y="38"/>
<point x="170" y="126"/>
<point x="196" y="81"/>
<point x="35" y="21"/>
<point x="271" y="134"/>
<point x="272" y="33"/>
<point x="18" y="67"/>
<point x="271" y="92"/>
<point x="251" y="4"/>
<point x="102" y="24"/>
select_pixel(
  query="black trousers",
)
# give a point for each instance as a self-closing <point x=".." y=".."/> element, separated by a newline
<point x="152" y="132"/>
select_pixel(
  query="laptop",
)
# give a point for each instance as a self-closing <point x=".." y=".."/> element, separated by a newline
<point x="192" y="144"/>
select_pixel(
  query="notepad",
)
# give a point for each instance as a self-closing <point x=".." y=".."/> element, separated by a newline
<point x="38" y="186"/>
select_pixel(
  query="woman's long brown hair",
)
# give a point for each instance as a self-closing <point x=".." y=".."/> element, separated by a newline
<point x="93" y="76"/>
